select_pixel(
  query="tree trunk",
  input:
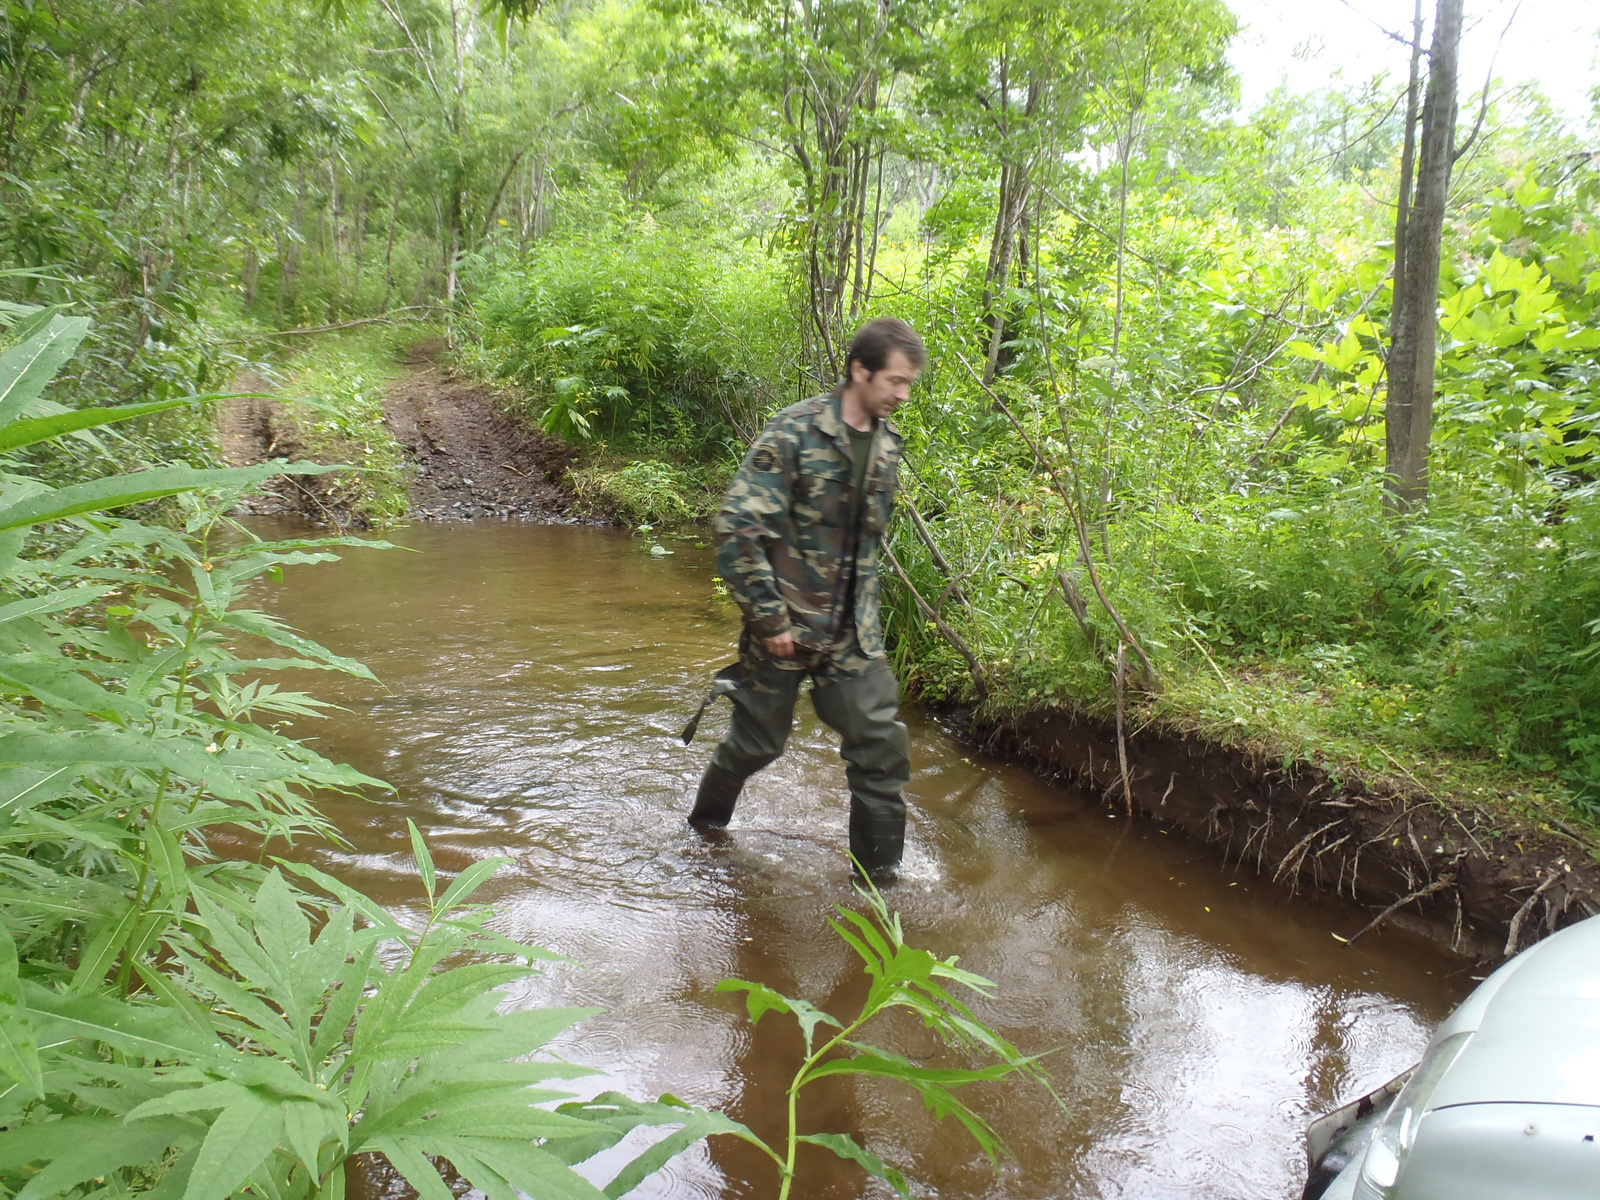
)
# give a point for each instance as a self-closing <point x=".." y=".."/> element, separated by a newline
<point x="388" y="251"/>
<point x="288" y="277"/>
<point x="1013" y="201"/>
<point x="1408" y="156"/>
<point x="250" y="276"/>
<point x="1414" y="321"/>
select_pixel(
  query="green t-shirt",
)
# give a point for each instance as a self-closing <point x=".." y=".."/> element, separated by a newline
<point x="861" y="451"/>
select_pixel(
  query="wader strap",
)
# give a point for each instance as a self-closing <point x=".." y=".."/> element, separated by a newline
<point x="723" y="683"/>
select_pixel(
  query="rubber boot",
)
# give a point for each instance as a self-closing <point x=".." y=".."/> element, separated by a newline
<point x="713" y="803"/>
<point x="877" y="840"/>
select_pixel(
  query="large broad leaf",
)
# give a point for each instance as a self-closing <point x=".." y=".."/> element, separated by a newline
<point x="19" y="1054"/>
<point x="59" y="685"/>
<point x="57" y="601"/>
<point x="26" y="369"/>
<point x="166" y="854"/>
<point x="762" y="1000"/>
<point x="418" y="1169"/>
<point x="893" y="1066"/>
<point x="846" y="1148"/>
<point x="374" y="912"/>
<point x="125" y="748"/>
<point x="264" y="625"/>
<point x="238" y="1143"/>
<point x="508" y="1169"/>
<point x="469" y="881"/>
<point x="42" y="429"/>
<point x="620" y="1114"/>
<point x="137" y="1029"/>
<point x="100" y="495"/>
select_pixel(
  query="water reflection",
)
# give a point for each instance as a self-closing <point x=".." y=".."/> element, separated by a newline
<point x="534" y="679"/>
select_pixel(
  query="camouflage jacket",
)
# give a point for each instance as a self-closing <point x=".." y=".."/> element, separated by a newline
<point x="783" y="539"/>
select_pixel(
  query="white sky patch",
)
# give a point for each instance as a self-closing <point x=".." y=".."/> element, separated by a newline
<point x="1314" y="43"/>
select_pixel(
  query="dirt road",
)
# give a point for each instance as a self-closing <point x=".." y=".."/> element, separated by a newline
<point x="469" y="456"/>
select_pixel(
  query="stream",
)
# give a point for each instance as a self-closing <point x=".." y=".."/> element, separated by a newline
<point x="534" y="680"/>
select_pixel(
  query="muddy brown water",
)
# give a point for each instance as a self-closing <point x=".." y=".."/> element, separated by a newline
<point x="534" y="679"/>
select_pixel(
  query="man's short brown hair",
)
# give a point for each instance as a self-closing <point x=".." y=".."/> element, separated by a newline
<point x="879" y="338"/>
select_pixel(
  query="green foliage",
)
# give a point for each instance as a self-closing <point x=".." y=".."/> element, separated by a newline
<point x="644" y="492"/>
<point x="332" y="396"/>
<point x="901" y="977"/>
<point x="1227" y="467"/>
<point x="269" y="1058"/>
<point x="181" y="1023"/>
<point x="642" y="334"/>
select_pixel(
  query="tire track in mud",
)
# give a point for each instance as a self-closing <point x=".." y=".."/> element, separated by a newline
<point x="469" y="456"/>
<point x="473" y="458"/>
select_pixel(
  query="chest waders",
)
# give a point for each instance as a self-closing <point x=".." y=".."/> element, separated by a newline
<point x="854" y="694"/>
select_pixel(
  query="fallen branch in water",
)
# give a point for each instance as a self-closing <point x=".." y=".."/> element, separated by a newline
<point x="1438" y="885"/>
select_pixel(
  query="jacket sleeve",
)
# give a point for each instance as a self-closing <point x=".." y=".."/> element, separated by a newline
<point x="754" y="515"/>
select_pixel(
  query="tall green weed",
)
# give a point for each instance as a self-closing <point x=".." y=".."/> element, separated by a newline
<point x="174" y="1020"/>
<point x="639" y="335"/>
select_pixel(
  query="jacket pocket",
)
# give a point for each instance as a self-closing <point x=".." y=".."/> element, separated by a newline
<point x="825" y="493"/>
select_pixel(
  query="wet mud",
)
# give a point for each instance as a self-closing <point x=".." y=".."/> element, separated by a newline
<point x="473" y="458"/>
<point x="255" y="428"/>
<point x="534" y="679"/>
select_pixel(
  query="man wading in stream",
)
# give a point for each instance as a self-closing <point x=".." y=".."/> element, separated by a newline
<point x="798" y="537"/>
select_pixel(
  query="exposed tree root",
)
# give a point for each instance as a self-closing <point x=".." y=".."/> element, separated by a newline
<point x="1438" y="885"/>
<point x="1448" y="871"/>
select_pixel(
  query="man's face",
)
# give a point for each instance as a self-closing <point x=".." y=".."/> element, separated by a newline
<point x="881" y="392"/>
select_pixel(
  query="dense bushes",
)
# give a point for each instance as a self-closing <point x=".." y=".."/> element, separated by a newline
<point x="1228" y="470"/>
<point x="639" y="335"/>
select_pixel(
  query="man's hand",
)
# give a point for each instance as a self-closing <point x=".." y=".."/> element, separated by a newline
<point x="781" y="646"/>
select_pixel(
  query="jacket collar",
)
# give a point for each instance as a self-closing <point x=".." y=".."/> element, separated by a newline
<point x="830" y="420"/>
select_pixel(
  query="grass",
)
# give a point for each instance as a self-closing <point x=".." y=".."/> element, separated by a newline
<point x="645" y="491"/>
<point x="1281" y="712"/>
<point x="332" y="392"/>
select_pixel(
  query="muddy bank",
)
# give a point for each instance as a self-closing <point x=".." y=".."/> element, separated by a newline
<point x="1481" y="887"/>
<point x="466" y="455"/>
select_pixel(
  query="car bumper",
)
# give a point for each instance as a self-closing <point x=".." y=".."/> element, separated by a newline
<point x="1336" y="1142"/>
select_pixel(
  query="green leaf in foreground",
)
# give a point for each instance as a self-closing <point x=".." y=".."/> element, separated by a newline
<point x="902" y="976"/>
<point x="119" y="491"/>
<point x="42" y="429"/>
<point x="845" y="1147"/>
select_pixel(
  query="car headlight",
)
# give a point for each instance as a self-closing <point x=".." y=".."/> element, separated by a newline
<point x="1397" y="1132"/>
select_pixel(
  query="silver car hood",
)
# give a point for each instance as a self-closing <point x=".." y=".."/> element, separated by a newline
<point x="1537" y="1023"/>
